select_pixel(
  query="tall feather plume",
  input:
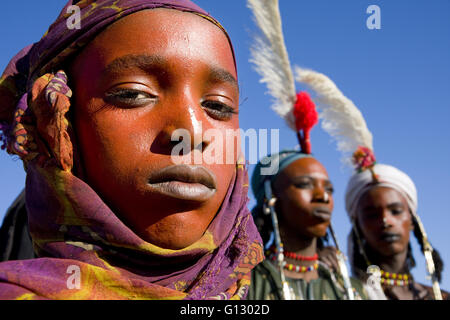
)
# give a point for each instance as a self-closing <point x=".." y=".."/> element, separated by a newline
<point x="270" y="57"/>
<point x="340" y="117"/>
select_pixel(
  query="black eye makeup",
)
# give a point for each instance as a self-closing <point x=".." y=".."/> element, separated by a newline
<point x="303" y="183"/>
<point x="397" y="209"/>
<point x="329" y="188"/>
<point x="129" y="98"/>
<point x="218" y="110"/>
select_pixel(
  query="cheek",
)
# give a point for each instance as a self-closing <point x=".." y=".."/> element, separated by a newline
<point x="295" y="204"/>
<point x="405" y="226"/>
<point x="300" y="199"/>
<point x="368" y="230"/>
<point x="331" y="204"/>
<point x="221" y="156"/>
<point x="112" y="145"/>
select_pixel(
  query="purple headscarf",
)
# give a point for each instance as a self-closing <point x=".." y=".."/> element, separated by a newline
<point x="74" y="232"/>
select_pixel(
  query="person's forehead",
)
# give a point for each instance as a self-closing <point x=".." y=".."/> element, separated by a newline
<point x="163" y="32"/>
<point x="307" y="166"/>
<point x="383" y="194"/>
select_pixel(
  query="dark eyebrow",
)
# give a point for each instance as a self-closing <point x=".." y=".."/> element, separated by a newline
<point x="221" y="75"/>
<point x="152" y="62"/>
<point x="395" y="204"/>
<point x="307" y="176"/>
<point x="144" y="62"/>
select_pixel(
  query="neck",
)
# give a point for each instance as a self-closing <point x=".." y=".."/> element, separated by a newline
<point x="393" y="264"/>
<point x="294" y="243"/>
<point x="301" y="246"/>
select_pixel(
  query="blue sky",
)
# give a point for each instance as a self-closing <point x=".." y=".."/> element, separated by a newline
<point x="398" y="76"/>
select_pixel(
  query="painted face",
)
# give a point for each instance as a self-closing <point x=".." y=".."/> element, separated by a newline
<point x="385" y="220"/>
<point x="304" y="198"/>
<point x="144" y="77"/>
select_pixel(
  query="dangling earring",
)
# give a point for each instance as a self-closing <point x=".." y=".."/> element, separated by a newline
<point x="360" y="243"/>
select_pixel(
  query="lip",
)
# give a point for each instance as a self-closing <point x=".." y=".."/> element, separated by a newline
<point x="390" y="237"/>
<point x="194" y="183"/>
<point x="322" y="213"/>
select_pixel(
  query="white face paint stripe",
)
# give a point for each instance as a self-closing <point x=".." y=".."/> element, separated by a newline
<point x="198" y="137"/>
<point x="318" y="175"/>
<point x="195" y="123"/>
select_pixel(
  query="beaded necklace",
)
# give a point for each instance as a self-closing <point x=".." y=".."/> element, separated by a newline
<point x="294" y="267"/>
<point x="295" y="256"/>
<point x="299" y="269"/>
<point x="394" y="279"/>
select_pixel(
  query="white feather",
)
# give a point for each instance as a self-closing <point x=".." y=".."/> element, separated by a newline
<point x="340" y="117"/>
<point x="271" y="60"/>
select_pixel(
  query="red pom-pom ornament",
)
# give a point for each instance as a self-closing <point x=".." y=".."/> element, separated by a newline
<point x="306" y="117"/>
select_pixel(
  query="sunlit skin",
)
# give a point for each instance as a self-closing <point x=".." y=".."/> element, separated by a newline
<point x="384" y="219"/>
<point x="302" y="189"/>
<point x="145" y="76"/>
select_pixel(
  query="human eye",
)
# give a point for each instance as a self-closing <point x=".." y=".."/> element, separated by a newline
<point x="129" y="98"/>
<point x="304" y="183"/>
<point x="371" y="214"/>
<point x="329" y="189"/>
<point x="397" y="211"/>
<point x="218" y="110"/>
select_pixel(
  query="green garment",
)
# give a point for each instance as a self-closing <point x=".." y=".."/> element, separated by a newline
<point x="266" y="285"/>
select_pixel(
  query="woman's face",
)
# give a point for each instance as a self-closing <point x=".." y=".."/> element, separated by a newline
<point x="304" y="197"/>
<point x="144" y="77"/>
<point x="385" y="220"/>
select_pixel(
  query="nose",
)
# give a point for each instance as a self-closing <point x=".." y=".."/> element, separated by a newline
<point x="183" y="127"/>
<point x="386" y="220"/>
<point x="321" y="195"/>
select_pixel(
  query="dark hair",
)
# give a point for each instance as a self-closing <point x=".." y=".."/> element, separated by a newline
<point x="438" y="263"/>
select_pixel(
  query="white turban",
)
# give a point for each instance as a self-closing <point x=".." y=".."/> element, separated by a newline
<point x="388" y="176"/>
<point x="359" y="183"/>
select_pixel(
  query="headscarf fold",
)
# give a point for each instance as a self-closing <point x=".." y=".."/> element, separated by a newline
<point x="71" y="227"/>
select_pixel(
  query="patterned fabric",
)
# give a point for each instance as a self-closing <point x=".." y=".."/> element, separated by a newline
<point x="71" y="227"/>
<point x="266" y="285"/>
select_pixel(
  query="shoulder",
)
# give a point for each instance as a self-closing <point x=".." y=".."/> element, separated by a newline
<point x="426" y="292"/>
<point x="265" y="282"/>
<point x="336" y="281"/>
<point x="266" y="269"/>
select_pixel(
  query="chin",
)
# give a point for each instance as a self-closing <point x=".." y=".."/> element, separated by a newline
<point x="173" y="236"/>
<point x="172" y="242"/>
<point x="317" y="231"/>
<point x="322" y="229"/>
